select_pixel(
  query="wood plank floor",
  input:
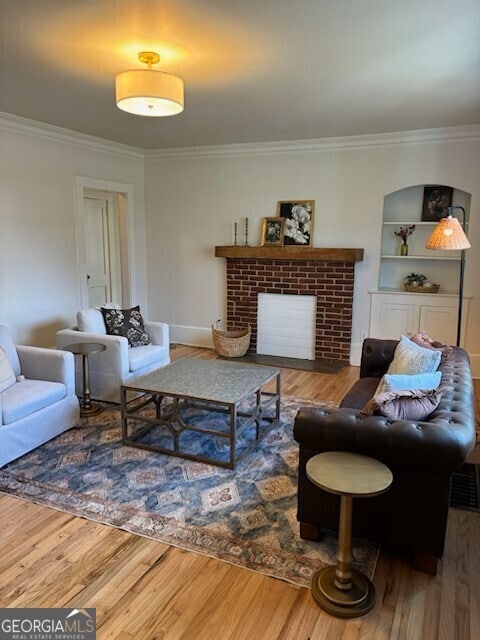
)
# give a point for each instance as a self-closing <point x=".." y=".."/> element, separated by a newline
<point x="146" y="590"/>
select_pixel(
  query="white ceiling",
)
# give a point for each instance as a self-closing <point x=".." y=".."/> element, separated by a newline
<point x="254" y="70"/>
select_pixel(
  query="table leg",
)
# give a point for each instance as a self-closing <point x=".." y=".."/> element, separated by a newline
<point x="157" y="401"/>
<point x="123" y="413"/>
<point x="233" y="435"/>
<point x="341" y="590"/>
<point x="87" y="408"/>
<point x="343" y="571"/>
<point x="278" y="394"/>
<point x="258" y="410"/>
<point x="86" y="389"/>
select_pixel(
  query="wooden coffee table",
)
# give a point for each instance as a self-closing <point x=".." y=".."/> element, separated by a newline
<point x="213" y="386"/>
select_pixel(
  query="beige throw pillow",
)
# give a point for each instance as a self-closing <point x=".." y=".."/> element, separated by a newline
<point x="410" y="358"/>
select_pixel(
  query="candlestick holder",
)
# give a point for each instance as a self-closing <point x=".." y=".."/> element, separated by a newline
<point x="246" y="232"/>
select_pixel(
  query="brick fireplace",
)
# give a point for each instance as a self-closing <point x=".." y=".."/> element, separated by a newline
<point x="327" y="274"/>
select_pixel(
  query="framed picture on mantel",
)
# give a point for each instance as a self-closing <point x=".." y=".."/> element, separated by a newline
<point x="272" y="232"/>
<point x="298" y="214"/>
<point x="436" y="200"/>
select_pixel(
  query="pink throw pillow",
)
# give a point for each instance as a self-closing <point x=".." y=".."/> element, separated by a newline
<point x="413" y="404"/>
<point x="423" y="340"/>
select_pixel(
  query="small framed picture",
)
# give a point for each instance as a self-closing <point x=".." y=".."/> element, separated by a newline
<point x="298" y="214"/>
<point x="436" y="201"/>
<point x="272" y="232"/>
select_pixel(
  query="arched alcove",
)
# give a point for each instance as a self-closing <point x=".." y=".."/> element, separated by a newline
<point x="404" y="208"/>
<point x="395" y="311"/>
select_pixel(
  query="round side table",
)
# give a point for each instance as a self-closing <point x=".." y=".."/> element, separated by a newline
<point x="84" y="349"/>
<point x="341" y="590"/>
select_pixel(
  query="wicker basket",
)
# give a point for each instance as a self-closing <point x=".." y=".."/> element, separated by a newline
<point x="418" y="289"/>
<point x="231" y="344"/>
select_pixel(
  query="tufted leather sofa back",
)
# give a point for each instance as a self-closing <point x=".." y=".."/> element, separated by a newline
<point x="376" y="357"/>
<point x="456" y="407"/>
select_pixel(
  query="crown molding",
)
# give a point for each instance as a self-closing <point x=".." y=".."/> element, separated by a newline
<point x="10" y="122"/>
<point x="445" y="134"/>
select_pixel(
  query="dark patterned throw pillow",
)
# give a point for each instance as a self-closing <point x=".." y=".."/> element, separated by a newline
<point x="127" y="323"/>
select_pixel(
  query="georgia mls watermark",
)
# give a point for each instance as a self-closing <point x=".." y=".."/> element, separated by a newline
<point x="48" y="624"/>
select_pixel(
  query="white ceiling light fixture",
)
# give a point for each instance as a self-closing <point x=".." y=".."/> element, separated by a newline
<point x="146" y="92"/>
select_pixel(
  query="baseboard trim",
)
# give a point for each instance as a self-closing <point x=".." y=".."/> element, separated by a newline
<point x="191" y="336"/>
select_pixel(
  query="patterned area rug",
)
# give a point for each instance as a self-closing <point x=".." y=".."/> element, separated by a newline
<point x="246" y="517"/>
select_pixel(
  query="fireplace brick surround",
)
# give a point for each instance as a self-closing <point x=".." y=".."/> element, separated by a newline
<point x="331" y="281"/>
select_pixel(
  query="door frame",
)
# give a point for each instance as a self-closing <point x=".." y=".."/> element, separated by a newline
<point x="124" y="194"/>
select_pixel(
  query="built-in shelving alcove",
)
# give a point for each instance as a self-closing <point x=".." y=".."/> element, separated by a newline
<point x="394" y="311"/>
<point x="404" y="208"/>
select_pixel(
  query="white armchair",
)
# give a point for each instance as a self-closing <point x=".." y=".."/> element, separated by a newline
<point x="119" y="363"/>
<point x="39" y="402"/>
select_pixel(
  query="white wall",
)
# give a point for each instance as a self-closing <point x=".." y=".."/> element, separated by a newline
<point x="39" y="280"/>
<point x="193" y="197"/>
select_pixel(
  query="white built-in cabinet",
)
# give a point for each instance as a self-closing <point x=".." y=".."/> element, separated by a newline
<point x="397" y="313"/>
<point x="394" y="312"/>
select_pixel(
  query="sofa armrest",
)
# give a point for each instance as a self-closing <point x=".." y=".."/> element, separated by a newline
<point x="158" y="332"/>
<point x="113" y="360"/>
<point x="38" y="363"/>
<point x="419" y="445"/>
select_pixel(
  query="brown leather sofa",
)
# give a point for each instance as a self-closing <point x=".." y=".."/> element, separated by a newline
<point x="412" y="515"/>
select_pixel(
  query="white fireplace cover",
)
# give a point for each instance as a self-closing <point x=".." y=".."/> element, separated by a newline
<point x="286" y="325"/>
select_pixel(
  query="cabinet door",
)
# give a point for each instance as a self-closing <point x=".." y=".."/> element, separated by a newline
<point x="439" y="322"/>
<point x="390" y="320"/>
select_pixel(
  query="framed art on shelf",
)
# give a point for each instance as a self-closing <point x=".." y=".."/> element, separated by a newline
<point x="436" y="201"/>
<point x="272" y="232"/>
<point x="298" y="215"/>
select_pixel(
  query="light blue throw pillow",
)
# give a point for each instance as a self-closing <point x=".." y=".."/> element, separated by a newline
<point x="402" y="382"/>
<point x="410" y="358"/>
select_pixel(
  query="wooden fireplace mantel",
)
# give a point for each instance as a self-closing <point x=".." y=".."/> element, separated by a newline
<point x="290" y="253"/>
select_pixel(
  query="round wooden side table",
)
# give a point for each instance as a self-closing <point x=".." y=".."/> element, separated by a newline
<point x="341" y="590"/>
<point x="84" y="349"/>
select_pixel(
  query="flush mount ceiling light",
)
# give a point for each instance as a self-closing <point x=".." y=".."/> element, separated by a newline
<point x="146" y="92"/>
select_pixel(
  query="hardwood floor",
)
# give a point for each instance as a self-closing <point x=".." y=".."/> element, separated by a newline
<point x="146" y="590"/>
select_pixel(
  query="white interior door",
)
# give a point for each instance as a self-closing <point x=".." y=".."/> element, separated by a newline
<point x="104" y="217"/>
<point x="102" y="251"/>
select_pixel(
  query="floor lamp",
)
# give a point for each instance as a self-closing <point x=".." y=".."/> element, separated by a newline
<point x="449" y="235"/>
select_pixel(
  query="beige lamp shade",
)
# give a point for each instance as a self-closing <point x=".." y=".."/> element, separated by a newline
<point x="448" y="235"/>
<point x="146" y="92"/>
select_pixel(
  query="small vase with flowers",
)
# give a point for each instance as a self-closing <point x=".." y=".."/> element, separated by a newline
<point x="404" y="233"/>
